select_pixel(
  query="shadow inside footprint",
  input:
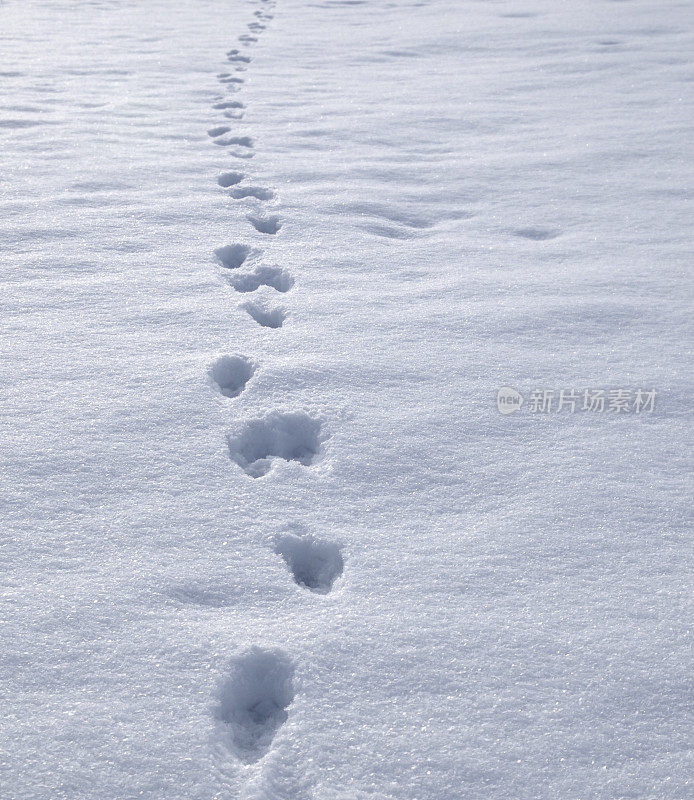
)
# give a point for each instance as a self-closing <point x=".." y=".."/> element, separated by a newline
<point x="228" y="104"/>
<point x="232" y="256"/>
<point x="230" y="374"/>
<point x="265" y="317"/>
<point x="227" y="179"/>
<point x="315" y="563"/>
<point x="242" y="141"/>
<point x="537" y="234"/>
<point x="252" y="191"/>
<point x="254" y="699"/>
<point x="290" y="436"/>
<point x="268" y="225"/>
<point x="220" y="130"/>
<point x="274" y="277"/>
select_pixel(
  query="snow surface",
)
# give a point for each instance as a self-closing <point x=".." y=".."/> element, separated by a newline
<point x="265" y="533"/>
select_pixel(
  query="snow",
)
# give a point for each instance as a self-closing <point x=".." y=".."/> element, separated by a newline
<point x="265" y="267"/>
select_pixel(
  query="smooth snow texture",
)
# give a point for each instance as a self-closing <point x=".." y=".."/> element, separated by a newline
<point x="472" y="194"/>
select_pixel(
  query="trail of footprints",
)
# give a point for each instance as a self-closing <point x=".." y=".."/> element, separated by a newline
<point x="254" y="699"/>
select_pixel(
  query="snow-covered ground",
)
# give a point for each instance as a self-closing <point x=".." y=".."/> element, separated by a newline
<point x="265" y="533"/>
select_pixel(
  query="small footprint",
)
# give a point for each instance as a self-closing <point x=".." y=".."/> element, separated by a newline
<point x="235" y="55"/>
<point x="228" y="104"/>
<point x="232" y="256"/>
<point x="269" y="225"/>
<point x="240" y="152"/>
<point x="230" y="374"/>
<point x="231" y="79"/>
<point x="220" y="130"/>
<point x="248" y="39"/>
<point x="252" y="191"/>
<point x="242" y="141"/>
<point x="274" y="277"/>
<point x="254" y="699"/>
<point x="227" y="179"/>
<point x="293" y="436"/>
<point x="263" y="316"/>
<point x="315" y="563"/>
<point x="538" y="234"/>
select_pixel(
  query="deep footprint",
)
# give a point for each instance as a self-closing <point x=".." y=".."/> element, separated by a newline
<point x="243" y="141"/>
<point x="252" y="191"/>
<point x="232" y="256"/>
<point x="269" y="225"/>
<point x="230" y="374"/>
<point x="290" y="436"/>
<point x="228" y="104"/>
<point x="274" y="277"/>
<point x="265" y="317"/>
<point x="537" y="234"/>
<point x="227" y="179"/>
<point x="220" y="130"/>
<point x="235" y="56"/>
<point x="315" y="563"/>
<point x="254" y="700"/>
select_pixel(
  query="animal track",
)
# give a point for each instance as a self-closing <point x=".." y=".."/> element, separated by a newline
<point x="265" y="317"/>
<point x="538" y="234"/>
<point x="315" y="563"/>
<point x="227" y="179"/>
<point x="219" y="130"/>
<point x="231" y="374"/>
<point x="243" y="141"/>
<point x="252" y="191"/>
<point x="290" y="436"/>
<point x="228" y="104"/>
<point x="274" y="277"/>
<point x="235" y="55"/>
<point x="254" y="700"/>
<point x="232" y="256"/>
<point x="269" y="225"/>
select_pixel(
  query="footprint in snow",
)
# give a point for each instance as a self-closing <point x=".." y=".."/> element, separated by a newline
<point x="537" y="234"/>
<point x="293" y="436"/>
<point x="267" y="318"/>
<point x="232" y="256"/>
<point x="227" y="179"/>
<point x="254" y="699"/>
<point x="228" y="104"/>
<point x="220" y="130"/>
<point x="276" y="278"/>
<point x="269" y="225"/>
<point x="257" y="192"/>
<point x="235" y="55"/>
<point x="230" y="374"/>
<point x="247" y="39"/>
<point x="314" y="563"/>
<point x="241" y="141"/>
